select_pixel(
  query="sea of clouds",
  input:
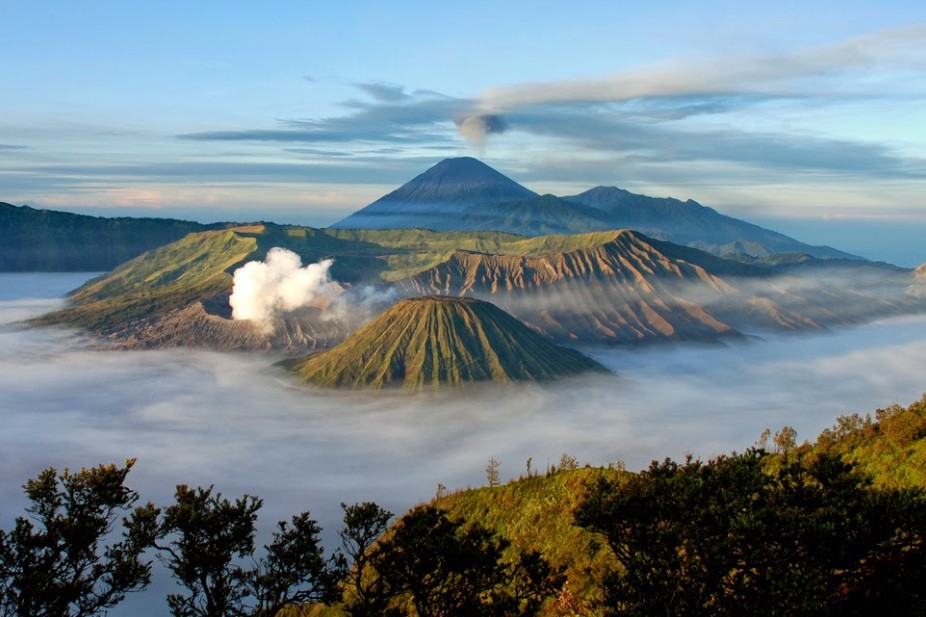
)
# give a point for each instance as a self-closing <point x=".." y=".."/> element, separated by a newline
<point x="235" y="421"/>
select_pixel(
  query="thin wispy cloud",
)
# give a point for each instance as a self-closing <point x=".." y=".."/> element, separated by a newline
<point x="780" y="74"/>
<point x="646" y="116"/>
<point x="388" y="93"/>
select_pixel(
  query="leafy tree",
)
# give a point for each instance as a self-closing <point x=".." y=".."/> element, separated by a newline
<point x="364" y="524"/>
<point x="445" y="568"/>
<point x="208" y="541"/>
<point x="62" y="560"/>
<point x="567" y="462"/>
<point x="206" y="533"/>
<point x="294" y="570"/>
<point x="785" y="440"/>
<point x="735" y="536"/>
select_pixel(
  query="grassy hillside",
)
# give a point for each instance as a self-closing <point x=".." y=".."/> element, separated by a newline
<point x="432" y="341"/>
<point x="890" y="446"/>
<point x="159" y="281"/>
<point x="537" y="512"/>
<point x="612" y="287"/>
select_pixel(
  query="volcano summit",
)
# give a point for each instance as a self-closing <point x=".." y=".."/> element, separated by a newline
<point x="437" y="340"/>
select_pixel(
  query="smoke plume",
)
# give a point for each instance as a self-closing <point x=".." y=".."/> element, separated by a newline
<point x="279" y="285"/>
<point x="475" y="128"/>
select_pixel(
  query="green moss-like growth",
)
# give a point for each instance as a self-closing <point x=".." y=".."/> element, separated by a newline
<point x="536" y="514"/>
<point x="890" y="447"/>
<point x="436" y="340"/>
<point x="161" y="280"/>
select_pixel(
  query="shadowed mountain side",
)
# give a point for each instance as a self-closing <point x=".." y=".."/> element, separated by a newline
<point x="691" y="224"/>
<point x="464" y="194"/>
<point x="536" y="216"/>
<point x="434" y="341"/>
<point x="50" y="241"/>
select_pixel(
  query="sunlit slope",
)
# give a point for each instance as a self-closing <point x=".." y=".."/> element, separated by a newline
<point x="432" y="341"/>
<point x="890" y="446"/>
<point x="616" y="286"/>
<point x="158" y="281"/>
<point x="536" y="514"/>
<point x="610" y="287"/>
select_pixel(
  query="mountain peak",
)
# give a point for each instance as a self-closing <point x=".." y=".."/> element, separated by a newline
<point x="439" y="340"/>
<point x="447" y="188"/>
<point x="462" y="179"/>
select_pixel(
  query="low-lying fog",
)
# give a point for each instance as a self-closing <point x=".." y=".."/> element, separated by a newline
<point x="234" y="421"/>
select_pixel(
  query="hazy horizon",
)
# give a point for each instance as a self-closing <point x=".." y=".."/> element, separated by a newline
<point x="789" y="109"/>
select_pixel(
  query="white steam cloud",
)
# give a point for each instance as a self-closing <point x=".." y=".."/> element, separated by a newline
<point x="360" y="304"/>
<point x="278" y="285"/>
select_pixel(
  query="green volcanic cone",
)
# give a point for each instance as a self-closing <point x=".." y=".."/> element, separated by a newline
<point x="435" y="340"/>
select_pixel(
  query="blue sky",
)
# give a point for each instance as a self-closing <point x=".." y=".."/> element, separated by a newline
<point x="305" y="111"/>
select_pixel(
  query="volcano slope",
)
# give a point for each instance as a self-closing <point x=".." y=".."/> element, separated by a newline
<point x="435" y="341"/>
<point x="615" y="287"/>
<point x="623" y="287"/>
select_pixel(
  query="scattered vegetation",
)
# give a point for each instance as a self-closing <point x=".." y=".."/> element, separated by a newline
<point x="837" y="527"/>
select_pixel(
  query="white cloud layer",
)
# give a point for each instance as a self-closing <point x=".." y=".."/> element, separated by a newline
<point x="234" y="421"/>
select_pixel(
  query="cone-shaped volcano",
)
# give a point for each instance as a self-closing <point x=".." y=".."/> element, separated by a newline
<point x="436" y="340"/>
<point x="447" y="188"/>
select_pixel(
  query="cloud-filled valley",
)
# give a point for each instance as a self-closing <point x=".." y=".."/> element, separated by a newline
<point x="236" y="421"/>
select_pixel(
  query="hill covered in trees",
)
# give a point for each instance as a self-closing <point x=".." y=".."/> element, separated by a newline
<point x="34" y="240"/>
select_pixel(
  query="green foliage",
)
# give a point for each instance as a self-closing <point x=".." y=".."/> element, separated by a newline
<point x="205" y="534"/>
<point x="294" y="570"/>
<point x="535" y="514"/>
<point x="891" y="447"/>
<point x="728" y="537"/>
<point x="426" y="342"/>
<point x="443" y="568"/>
<point x="65" y="561"/>
<point x="365" y="594"/>
<point x="209" y="539"/>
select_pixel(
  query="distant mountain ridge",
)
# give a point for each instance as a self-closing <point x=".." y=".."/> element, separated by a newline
<point x="464" y="194"/>
<point x="34" y="240"/>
